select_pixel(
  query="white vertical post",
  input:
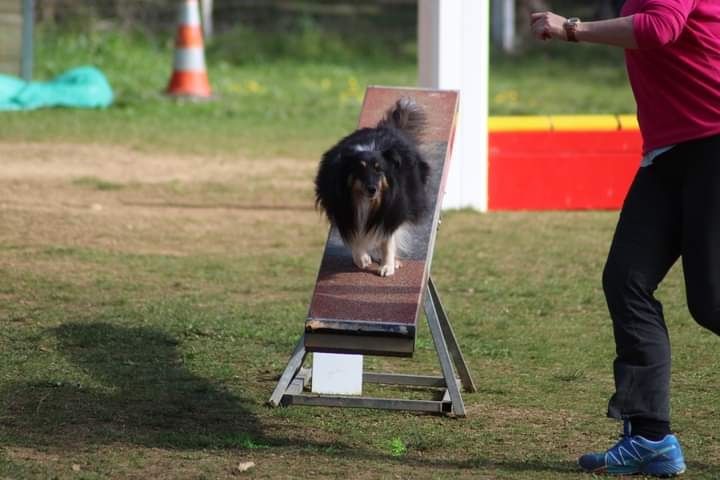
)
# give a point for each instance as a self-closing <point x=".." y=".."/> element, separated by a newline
<point x="28" y="26"/>
<point x="503" y="24"/>
<point x="453" y="53"/>
<point x="207" y="18"/>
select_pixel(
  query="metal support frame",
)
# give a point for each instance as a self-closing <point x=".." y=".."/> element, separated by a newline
<point x="294" y="379"/>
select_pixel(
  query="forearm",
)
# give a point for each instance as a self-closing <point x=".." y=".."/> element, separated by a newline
<point x="618" y="32"/>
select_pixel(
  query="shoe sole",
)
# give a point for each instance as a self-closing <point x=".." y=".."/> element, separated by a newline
<point x="676" y="470"/>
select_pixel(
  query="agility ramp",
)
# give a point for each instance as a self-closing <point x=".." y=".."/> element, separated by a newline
<point x="358" y="312"/>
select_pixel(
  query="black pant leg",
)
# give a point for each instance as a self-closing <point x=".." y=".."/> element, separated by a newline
<point x="645" y="245"/>
<point x="701" y="232"/>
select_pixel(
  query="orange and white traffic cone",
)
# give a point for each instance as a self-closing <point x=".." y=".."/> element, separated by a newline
<point x="189" y="78"/>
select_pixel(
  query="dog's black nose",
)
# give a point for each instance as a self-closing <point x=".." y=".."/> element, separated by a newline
<point x="371" y="189"/>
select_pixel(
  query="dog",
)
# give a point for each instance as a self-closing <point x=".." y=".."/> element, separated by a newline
<point x="372" y="184"/>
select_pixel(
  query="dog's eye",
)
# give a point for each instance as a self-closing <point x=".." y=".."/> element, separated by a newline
<point x="363" y="163"/>
<point x="377" y="167"/>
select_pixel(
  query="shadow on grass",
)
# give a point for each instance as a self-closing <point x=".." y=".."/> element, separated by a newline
<point x="145" y="396"/>
<point x="142" y="394"/>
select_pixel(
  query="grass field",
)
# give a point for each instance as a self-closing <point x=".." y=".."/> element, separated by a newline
<point x="287" y="104"/>
<point x="156" y="261"/>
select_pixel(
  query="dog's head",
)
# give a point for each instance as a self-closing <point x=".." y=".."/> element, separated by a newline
<point x="370" y="173"/>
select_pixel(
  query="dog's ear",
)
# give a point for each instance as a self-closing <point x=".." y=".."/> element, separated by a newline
<point x="394" y="157"/>
<point x="329" y="181"/>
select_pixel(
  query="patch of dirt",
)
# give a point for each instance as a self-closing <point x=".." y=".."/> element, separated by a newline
<point x="119" y="199"/>
<point x="52" y="161"/>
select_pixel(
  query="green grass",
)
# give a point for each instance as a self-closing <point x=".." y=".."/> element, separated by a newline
<point x="168" y="360"/>
<point x="557" y="78"/>
<point x="96" y="183"/>
<point x="143" y="342"/>
<point x="279" y="107"/>
<point x="290" y="98"/>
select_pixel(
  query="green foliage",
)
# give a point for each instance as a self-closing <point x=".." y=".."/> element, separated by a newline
<point x="308" y="42"/>
<point x="547" y="79"/>
<point x="283" y="107"/>
<point x="292" y="94"/>
<point x="397" y="447"/>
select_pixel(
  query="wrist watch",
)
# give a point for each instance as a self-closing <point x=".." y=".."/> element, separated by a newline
<point x="570" y="26"/>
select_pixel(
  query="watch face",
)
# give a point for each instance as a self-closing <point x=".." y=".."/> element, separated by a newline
<point x="573" y="20"/>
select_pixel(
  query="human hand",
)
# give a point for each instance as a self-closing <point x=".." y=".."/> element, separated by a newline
<point x="547" y="25"/>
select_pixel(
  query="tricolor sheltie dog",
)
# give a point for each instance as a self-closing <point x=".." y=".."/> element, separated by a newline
<point x="373" y="183"/>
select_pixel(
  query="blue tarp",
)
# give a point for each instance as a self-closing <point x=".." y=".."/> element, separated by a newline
<point x="81" y="87"/>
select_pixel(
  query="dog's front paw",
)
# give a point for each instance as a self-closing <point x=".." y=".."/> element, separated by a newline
<point x="387" y="269"/>
<point x="362" y="261"/>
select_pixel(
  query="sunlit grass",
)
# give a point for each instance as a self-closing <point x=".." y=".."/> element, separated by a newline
<point x="142" y="340"/>
<point x="280" y="105"/>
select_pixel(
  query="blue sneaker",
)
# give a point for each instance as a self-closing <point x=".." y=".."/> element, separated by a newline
<point x="634" y="454"/>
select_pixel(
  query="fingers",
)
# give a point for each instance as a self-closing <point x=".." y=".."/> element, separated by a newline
<point x="535" y="16"/>
<point x="540" y="25"/>
<point x="546" y="25"/>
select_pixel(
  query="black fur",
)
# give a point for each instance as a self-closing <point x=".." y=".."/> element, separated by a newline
<point x="392" y="146"/>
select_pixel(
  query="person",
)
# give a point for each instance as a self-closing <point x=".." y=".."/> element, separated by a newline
<point x="672" y="210"/>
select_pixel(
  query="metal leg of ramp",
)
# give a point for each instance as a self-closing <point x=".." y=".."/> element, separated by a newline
<point x="290" y="389"/>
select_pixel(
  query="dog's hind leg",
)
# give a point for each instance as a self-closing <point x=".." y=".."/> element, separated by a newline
<point x="389" y="261"/>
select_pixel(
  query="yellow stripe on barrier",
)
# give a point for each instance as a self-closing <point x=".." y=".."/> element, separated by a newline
<point x="520" y="123"/>
<point x="628" y="122"/>
<point x="585" y="122"/>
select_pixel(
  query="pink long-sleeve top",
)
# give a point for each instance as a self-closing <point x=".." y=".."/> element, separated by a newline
<point x="675" y="71"/>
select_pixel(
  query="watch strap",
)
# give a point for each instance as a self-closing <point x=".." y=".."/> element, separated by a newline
<point x="570" y="27"/>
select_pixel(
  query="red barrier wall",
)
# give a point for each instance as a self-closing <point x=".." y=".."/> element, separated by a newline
<point x="561" y="170"/>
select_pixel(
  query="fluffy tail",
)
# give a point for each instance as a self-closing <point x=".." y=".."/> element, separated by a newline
<point x="408" y="116"/>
